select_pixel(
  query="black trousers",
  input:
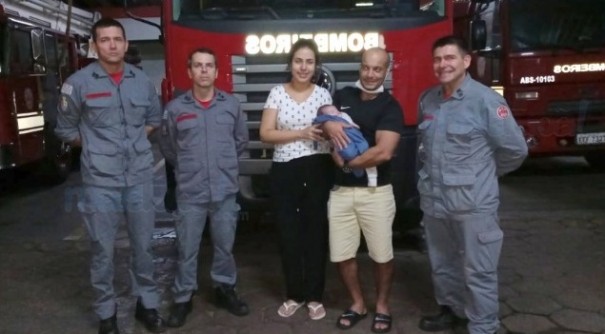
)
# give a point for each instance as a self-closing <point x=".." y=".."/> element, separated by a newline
<point x="300" y="191"/>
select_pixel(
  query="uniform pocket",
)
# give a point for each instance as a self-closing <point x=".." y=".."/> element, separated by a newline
<point x="225" y="122"/>
<point x="490" y="236"/>
<point x="138" y="110"/>
<point x="458" y="192"/>
<point x="225" y="119"/>
<point x="188" y="133"/>
<point x="99" y="112"/>
<point x="228" y="163"/>
<point x="104" y="159"/>
<point x="491" y="246"/>
<point x="144" y="158"/>
<point x="458" y="141"/>
<point x="142" y="146"/>
<point x="187" y="170"/>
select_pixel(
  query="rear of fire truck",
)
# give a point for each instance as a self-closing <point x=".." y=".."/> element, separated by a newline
<point x="548" y="60"/>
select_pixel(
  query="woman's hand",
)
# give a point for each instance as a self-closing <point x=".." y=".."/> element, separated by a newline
<point x="312" y="132"/>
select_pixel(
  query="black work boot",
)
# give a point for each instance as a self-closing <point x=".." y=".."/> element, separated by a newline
<point x="226" y="297"/>
<point x="150" y="318"/>
<point x="178" y="313"/>
<point x="446" y="319"/>
<point x="109" y="325"/>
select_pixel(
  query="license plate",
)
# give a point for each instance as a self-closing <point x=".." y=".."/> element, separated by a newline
<point x="590" y="138"/>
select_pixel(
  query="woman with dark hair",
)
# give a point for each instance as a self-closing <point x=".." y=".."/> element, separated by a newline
<point x="301" y="178"/>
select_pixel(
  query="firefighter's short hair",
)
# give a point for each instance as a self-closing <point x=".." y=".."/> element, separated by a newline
<point x="202" y="49"/>
<point x="106" y="22"/>
<point x="452" y="40"/>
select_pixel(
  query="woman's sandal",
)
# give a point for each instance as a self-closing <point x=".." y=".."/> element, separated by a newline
<point x="316" y="310"/>
<point x="383" y="319"/>
<point x="288" y="308"/>
<point x="350" y="315"/>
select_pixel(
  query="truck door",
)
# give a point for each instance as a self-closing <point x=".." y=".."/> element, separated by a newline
<point x="26" y="72"/>
<point x="51" y="81"/>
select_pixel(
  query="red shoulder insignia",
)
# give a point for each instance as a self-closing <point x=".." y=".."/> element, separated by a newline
<point x="502" y="112"/>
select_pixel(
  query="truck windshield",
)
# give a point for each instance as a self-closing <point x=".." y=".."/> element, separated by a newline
<point x="575" y="25"/>
<point x="184" y="10"/>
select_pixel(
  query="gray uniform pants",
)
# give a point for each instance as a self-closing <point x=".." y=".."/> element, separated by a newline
<point x="189" y="227"/>
<point x="102" y="209"/>
<point x="464" y="253"/>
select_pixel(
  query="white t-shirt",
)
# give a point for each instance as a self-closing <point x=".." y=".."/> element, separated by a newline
<point x="292" y="115"/>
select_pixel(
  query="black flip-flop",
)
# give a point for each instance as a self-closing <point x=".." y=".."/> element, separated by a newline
<point x="350" y="315"/>
<point x="381" y="318"/>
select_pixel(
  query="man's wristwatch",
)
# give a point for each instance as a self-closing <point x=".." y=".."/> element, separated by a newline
<point x="346" y="168"/>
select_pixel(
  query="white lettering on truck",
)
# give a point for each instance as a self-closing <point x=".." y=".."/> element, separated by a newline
<point x="575" y="68"/>
<point x="326" y="42"/>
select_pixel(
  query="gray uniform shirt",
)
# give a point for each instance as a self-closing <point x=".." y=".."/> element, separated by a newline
<point x="467" y="141"/>
<point x="110" y="120"/>
<point x="204" y="144"/>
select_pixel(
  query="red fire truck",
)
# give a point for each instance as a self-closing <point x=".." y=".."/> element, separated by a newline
<point x="37" y="55"/>
<point x="548" y="60"/>
<point x="251" y="40"/>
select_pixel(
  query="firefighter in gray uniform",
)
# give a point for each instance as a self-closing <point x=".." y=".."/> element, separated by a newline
<point x="468" y="138"/>
<point x="110" y="107"/>
<point x="203" y="134"/>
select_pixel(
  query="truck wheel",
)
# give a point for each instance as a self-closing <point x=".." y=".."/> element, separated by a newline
<point x="596" y="160"/>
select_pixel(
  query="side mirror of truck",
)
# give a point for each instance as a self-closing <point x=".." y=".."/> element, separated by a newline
<point x="478" y="35"/>
<point x="38" y="53"/>
<point x="37" y="39"/>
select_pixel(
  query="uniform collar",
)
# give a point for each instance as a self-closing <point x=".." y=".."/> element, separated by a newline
<point x="99" y="72"/>
<point x="461" y="91"/>
<point x="219" y="95"/>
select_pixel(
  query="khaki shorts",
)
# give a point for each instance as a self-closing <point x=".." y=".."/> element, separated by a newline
<point x="352" y="210"/>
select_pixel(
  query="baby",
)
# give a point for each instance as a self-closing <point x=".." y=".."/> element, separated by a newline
<point x="357" y="144"/>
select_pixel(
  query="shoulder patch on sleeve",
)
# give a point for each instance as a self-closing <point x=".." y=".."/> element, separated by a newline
<point x="63" y="104"/>
<point x="502" y="112"/>
<point x="67" y="89"/>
